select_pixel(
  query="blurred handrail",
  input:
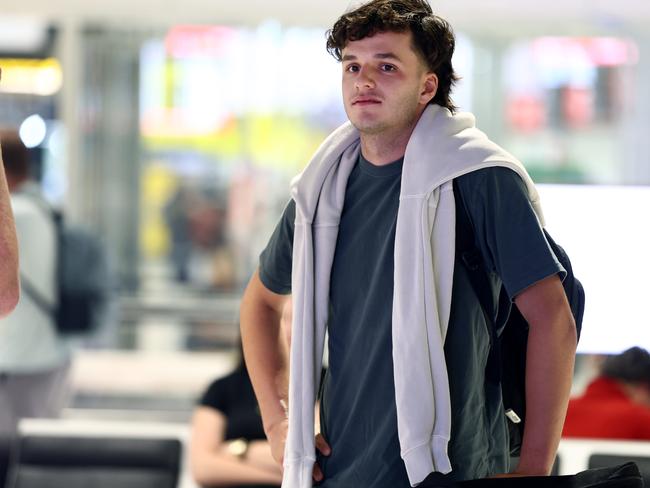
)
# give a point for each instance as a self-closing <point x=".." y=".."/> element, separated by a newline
<point x="216" y="308"/>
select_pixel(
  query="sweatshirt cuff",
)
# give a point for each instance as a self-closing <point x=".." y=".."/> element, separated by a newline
<point x="427" y="458"/>
<point x="298" y="473"/>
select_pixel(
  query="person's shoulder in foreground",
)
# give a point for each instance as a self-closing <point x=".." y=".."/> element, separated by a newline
<point x="9" y="282"/>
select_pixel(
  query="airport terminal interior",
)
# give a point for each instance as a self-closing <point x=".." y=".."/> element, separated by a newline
<point x="171" y="130"/>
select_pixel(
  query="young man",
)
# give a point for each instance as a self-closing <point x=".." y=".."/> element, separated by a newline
<point x="366" y="250"/>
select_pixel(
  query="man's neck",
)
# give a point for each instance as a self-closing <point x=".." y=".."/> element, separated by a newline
<point x="381" y="151"/>
<point x="384" y="148"/>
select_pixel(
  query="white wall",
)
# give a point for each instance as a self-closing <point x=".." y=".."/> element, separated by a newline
<point x="501" y="16"/>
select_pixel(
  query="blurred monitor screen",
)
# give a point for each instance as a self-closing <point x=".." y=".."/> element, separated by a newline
<point x="606" y="232"/>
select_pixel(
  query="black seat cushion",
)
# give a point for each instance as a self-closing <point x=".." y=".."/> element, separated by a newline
<point x="96" y="462"/>
<point x="6" y="444"/>
<point x="90" y="477"/>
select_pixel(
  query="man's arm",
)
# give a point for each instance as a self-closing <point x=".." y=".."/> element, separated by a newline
<point x="549" y="371"/>
<point x="9" y="283"/>
<point x="266" y="357"/>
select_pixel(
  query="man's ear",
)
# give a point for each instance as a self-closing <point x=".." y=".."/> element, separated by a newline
<point x="430" y="88"/>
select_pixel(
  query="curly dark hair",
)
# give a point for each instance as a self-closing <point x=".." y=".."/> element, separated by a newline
<point x="433" y="37"/>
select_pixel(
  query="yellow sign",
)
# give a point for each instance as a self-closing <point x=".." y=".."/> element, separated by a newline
<point x="31" y="76"/>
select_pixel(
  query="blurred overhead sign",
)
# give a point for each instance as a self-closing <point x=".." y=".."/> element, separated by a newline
<point x="31" y="76"/>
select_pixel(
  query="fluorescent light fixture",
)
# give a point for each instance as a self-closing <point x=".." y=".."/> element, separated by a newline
<point x="33" y="131"/>
<point x="606" y="232"/>
<point x="22" y="34"/>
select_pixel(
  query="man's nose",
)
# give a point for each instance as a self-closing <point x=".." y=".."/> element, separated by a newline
<point x="365" y="79"/>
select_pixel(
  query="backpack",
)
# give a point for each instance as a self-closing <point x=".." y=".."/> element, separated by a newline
<point x="506" y="362"/>
<point x="625" y="475"/>
<point x="82" y="276"/>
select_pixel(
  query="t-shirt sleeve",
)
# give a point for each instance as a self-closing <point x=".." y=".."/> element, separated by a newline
<point x="508" y="233"/>
<point x="216" y="396"/>
<point x="276" y="259"/>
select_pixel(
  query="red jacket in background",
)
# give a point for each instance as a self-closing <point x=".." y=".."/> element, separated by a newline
<point x="605" y="412"/>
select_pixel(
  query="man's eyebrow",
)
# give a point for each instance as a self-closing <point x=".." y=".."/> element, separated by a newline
<point x="387" y="56"/>
<point x="352" y="57"/>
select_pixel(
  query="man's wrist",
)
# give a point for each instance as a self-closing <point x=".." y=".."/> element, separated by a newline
<point x="272" y="419"/>
<point x="270" y="426"/>
<point x="533" y="465"/>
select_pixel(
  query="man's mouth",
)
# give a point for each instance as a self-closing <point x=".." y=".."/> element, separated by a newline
<point x="365" y="101"/>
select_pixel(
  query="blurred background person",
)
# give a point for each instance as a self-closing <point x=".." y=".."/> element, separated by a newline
<point x="228" y="446"/>
<point x="34" y="360"/>
<point x="616" y="405"/>
<point x="176" y="215"/>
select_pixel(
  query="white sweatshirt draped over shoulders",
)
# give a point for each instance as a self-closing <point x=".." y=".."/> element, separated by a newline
<point x="442" y="147"/>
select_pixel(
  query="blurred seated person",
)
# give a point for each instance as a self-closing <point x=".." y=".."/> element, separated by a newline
<point x="616" y="405"/>
<point x="228" y="447"/>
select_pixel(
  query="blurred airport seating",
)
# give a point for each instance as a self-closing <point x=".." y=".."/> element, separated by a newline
<point x="76" y="454"/>
<point x="102" y="453"/>
<point x="77" y="462"/>
<point x="5" y="456"/>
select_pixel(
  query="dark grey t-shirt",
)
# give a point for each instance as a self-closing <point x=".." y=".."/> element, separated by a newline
<point x="358" y="413"/>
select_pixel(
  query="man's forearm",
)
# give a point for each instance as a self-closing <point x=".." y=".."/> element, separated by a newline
<point x="549" y="371"/>
<point x="265" y="352"/>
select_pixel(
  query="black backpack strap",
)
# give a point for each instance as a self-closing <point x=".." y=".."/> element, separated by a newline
<point x="471" y="258"/>
<point x="509" y="374"/>
<point x="470" y="255"/>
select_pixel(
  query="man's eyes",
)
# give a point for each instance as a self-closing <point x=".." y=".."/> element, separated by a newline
<point x="354" y="68"/>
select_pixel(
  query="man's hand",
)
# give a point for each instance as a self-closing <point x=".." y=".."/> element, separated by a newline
<point x="277" y="436"/>
<point x="324" y="448"/>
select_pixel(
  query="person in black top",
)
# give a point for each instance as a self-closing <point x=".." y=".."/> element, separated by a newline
<point x="228" y="446"/>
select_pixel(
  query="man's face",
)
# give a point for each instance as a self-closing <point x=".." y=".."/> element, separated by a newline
<point x="386" y="85"/>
